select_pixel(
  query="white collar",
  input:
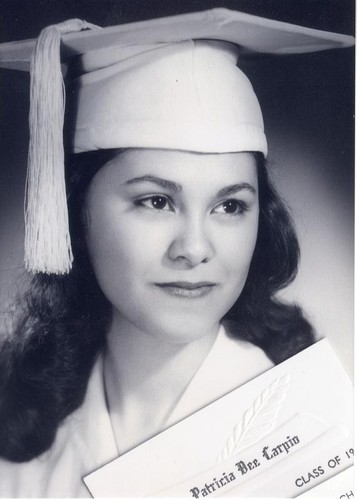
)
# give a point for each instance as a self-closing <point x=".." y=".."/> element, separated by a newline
<point x="230" y="363"/>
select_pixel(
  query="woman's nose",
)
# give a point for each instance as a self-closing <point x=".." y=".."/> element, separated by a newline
<point x="192" y="244"/>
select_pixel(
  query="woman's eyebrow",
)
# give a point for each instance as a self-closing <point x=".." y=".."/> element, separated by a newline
<point x="164" y="183"/>
<point x="234" y="188"/>
<point x="177" y="188"/>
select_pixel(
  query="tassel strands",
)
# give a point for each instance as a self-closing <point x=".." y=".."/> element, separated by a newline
<point x="47" y="237"/>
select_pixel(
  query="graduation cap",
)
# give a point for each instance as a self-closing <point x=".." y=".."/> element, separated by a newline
<point x="170" y="83"/>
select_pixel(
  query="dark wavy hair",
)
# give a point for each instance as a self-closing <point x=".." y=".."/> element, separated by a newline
<point x="45" y="365"/>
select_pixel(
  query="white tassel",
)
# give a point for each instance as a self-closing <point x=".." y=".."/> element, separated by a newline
<point x="47" y="238"/>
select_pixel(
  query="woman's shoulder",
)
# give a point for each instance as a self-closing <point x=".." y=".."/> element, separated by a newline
<point x="230" y="363"/>
<point x="239" y="359"/>
<point x="46" y="475"/>
<point x="83" y="442"/>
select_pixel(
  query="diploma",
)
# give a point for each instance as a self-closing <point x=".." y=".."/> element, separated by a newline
<point x="283" y="433"/>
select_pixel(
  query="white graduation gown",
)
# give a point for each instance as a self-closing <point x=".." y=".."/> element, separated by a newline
<point x="85" y="441"/>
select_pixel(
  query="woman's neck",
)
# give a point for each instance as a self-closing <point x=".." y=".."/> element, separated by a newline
<point x="145" y="377"/>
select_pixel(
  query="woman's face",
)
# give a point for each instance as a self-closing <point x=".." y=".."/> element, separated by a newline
<point x="171" y="235"/>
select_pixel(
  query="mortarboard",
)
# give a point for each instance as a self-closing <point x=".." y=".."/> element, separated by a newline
<point x="169" y="83"/>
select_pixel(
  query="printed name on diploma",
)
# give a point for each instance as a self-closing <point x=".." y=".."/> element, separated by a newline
<point x="244" y="467"/>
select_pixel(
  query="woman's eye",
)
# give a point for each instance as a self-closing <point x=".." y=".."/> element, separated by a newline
<point x="156" y="202"/>
<point x="231" y="207"/>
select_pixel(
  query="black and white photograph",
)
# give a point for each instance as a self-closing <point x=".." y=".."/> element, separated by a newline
<point x="176" y="248"/>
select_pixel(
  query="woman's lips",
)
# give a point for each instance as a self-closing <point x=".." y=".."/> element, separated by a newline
<point x="187" y="289"/>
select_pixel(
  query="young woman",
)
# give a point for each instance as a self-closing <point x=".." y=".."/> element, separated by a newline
<point x="180" y="244"/>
